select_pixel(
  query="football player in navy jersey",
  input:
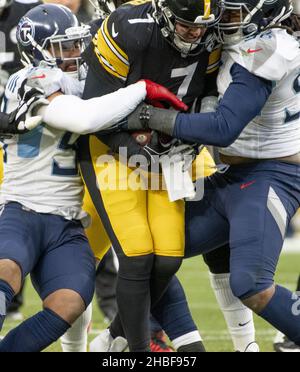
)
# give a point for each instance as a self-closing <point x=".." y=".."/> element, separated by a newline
<point x="251" y="204"/>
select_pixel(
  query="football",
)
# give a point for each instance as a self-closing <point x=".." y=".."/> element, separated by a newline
<point x="142" y="137"/>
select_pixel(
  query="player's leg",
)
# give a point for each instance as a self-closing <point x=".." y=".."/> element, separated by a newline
<point x="166" y="221"/>
<point x="106" y="283"/>
<point x="238" y="317"/>
<point x="281" y="343"/>
<point x="173" y="314"/>
<point x="75" y="339"/>
<point x="205" y="229"/>
<point x="19" y="250"/>
<point x="261" y="213"/>
<point x="124" y="214"/>
<point x="64" y="279"/>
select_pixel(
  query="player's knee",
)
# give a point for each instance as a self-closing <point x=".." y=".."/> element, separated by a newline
<point x="135" y="268"/>
<point x="245" y="284"/>
<point x="66" y="303"/>
<point x="166" y="267"/>
<point x="11" y="273"/>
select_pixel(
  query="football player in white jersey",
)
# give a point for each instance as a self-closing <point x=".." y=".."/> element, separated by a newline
<point x="42" y="221"/>
<point x="282" y="343"/>
<point x="257" y="129"/>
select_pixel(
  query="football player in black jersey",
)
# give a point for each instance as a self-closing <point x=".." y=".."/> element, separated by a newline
<point x="144" y="40"/>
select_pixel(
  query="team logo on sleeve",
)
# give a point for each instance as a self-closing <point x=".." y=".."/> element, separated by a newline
<point x="25" y="31"/>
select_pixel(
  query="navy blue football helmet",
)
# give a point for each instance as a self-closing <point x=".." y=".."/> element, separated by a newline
<point x="47" y="29"/>
<point x="244" y="18"/>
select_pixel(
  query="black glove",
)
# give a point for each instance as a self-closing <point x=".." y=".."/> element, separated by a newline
<point x="149" y="117"/>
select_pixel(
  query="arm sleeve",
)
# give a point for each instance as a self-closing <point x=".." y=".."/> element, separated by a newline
<point x="242" y="102"/>
<point x="75" y="115"/>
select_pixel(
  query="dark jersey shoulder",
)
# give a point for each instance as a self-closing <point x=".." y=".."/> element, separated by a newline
<point x="9" y="20"/>
<point x="129" y="46"/>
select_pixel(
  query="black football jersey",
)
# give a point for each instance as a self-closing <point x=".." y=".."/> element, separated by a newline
<point x="9" y="55"/>
<point x="129" y="46"/>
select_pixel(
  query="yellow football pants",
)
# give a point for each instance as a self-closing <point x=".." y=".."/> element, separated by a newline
<point x="139" y="222"/>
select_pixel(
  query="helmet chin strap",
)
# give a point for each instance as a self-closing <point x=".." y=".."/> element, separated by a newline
<point x="183" y="46"/>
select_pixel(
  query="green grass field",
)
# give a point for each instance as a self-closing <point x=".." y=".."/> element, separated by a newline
<point x="194" y="277"/>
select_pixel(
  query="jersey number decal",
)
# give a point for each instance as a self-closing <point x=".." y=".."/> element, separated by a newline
<point x="64" y="164"/>
<point x="293" y="116"/>
<point x="188" y="72"/>
<point x="67" y="146"/>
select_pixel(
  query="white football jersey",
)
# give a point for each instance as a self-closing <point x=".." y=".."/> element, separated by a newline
<point x="40" y="167"/>
<point x="273" y="55"/>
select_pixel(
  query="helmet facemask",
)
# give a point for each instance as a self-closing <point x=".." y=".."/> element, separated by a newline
<point x="65" y="50"/>
<point x="168" y="20"/>
<point x="240" y="21"/>
<point x="55" y="50"/>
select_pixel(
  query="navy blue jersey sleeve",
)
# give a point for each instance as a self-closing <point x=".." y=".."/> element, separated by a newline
<point x="242" y="102"/>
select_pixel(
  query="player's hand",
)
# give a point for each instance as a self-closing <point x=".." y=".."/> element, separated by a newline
<point x="22" y="119"/>
<point x="157" y="93"/>
<point x="185" y="153"/>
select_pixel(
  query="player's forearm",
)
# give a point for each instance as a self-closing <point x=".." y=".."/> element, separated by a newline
<point x="82" y="117"/>
<point x="242" y="102"/>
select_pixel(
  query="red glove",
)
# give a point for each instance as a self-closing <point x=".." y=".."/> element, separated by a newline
<point x="156" y="92"/>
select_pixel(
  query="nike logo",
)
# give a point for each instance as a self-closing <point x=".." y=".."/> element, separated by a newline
<point x="245" y="185"/>
<point x="113" y="31"/>
<point x="39" y="77"/>
<point x="249" y="51"/>
<point x="244" y="324"/>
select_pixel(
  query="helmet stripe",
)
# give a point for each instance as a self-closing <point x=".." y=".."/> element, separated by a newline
<point x="207" y="9"/>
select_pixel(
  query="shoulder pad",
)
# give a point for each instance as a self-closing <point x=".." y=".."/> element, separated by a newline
<point x="269" y="55"/>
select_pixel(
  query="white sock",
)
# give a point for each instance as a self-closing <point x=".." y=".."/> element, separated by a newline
<point x="186" y="339"/>
<point x="75" y="339"/>
<point x="238" y="317"/>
